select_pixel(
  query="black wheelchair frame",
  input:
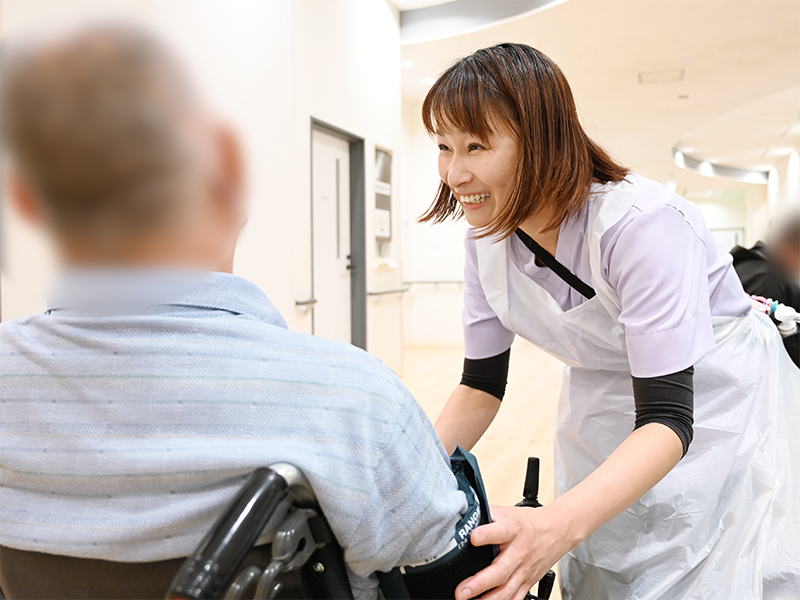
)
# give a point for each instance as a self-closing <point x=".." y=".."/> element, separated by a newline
<point x="303" y="542"/>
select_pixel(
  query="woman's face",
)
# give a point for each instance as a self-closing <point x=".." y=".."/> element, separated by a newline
<point x="480" y="173"/>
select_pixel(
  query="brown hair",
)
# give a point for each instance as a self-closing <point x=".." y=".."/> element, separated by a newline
<point x="519" y="88"/>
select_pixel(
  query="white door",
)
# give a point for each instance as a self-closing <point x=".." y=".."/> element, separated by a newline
<point x="330" y="221"/>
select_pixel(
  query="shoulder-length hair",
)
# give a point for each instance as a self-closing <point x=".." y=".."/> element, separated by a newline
<point x="516" y="87"/>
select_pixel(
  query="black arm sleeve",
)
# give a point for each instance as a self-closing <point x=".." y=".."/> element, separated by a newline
<point x="488" y="375"/>
<point x="668" y="400"/>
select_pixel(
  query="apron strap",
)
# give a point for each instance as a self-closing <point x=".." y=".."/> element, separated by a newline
<point x="563" y="272"/>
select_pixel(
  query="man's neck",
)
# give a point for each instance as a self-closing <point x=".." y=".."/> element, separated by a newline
<point x="143" y="257"/>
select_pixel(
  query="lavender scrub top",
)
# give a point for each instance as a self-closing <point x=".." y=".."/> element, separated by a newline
<point x="661" y="260"/>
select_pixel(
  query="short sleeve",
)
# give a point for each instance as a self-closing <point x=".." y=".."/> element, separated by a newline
<point x="658" y="266"/>
<point x="414" y="502"/>
<point x="484" y="334"/>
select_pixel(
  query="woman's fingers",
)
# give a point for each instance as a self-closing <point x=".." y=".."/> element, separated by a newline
<point x="505" y="577"/>
<point x="514" y="589"/>
<point x="499" y="532"/>
<point x="528" y="549"/>
<point x="492" y="576"/>
<point x="503" y="529"/>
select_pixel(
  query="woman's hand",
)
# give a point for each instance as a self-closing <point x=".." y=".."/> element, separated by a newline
<point x="531" y="541"/>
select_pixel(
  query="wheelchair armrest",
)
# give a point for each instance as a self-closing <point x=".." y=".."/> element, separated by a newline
<point x="211" y="567"/>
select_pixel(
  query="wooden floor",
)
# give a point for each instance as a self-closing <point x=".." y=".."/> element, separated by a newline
<point x="524" y="425"/>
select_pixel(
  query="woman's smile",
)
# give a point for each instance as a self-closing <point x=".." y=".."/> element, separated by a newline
<point x="473" y="201"/>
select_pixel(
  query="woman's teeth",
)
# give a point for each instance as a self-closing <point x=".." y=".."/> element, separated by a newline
<point x="475" y="198"/>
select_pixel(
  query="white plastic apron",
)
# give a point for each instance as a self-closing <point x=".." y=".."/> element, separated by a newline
<point x="725" y="522"/>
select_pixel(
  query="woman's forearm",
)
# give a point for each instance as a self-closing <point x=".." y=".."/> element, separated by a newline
<point x="465" y="417"/>
<point x="640" y="462"/>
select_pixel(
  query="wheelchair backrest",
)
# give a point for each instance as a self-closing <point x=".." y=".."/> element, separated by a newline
<point x="303" y="541"/>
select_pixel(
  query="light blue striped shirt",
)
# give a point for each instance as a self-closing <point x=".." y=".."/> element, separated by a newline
<point x="132" y="409"/>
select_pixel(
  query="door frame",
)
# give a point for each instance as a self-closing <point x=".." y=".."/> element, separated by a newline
<point x="358" y="228"/>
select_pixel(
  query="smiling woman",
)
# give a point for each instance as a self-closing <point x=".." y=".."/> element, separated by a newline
<point x="523" y="128"/>
<point x="620" y="278"/>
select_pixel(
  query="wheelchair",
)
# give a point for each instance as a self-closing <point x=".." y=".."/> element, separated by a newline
<point x="304" y="544"/>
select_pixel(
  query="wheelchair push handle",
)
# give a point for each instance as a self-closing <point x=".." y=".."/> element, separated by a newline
<point x="530" y="491"/>
<point x="530" y="498"/>
<point x="207" y="572"/>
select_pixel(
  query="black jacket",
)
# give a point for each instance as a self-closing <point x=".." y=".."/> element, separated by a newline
<point x="760" y="277"/>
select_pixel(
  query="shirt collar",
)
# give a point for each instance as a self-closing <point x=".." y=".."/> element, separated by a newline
<point x="116" y="292"/>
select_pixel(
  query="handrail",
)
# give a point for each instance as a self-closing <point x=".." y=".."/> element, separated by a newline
<point x="402" y="290"/>
<point x="308" y="302"/>
<point x="435" y="281"/>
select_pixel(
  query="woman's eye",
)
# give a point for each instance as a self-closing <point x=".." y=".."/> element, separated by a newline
<point x="443" y="148"/>
<point x="475" y="147"/>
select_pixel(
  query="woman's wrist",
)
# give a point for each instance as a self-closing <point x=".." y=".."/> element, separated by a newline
<point x="567" y="522"/>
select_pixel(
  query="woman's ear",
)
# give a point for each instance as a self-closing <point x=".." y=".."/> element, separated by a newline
<point x="24" y="200"/>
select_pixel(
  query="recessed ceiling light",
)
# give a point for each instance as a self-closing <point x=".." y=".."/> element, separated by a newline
<point x="779" y="150"/>
<point x="407" y="64"/>
<point x="705" y="168"/>
<point x="793" y="129"/>
<point x="428" y="80"/>
<point x="667" y="76"/>
<point x="672" y="185"/>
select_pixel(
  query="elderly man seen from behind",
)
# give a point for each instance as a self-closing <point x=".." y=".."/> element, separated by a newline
<point x="133" y="407"/>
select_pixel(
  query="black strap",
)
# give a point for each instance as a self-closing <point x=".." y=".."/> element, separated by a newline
<point x="568" y="276"/>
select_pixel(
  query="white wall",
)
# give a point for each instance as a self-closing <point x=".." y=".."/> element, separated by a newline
<point x="782" y="195"/>
<point x="784" y="184"/>
<point x="725" y="215"/>
<point x="757" y="215"/>
<point x="346" y="65"/>
<point x="267" y="67"/>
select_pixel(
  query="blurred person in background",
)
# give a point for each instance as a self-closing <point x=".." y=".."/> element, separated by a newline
<point x="772" y="270"/>
<point x="135" y="406"/>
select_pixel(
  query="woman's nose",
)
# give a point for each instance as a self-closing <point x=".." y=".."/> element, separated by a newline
<point x="457" y="173"/>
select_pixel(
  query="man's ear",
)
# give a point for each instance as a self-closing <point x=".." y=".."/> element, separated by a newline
<point x="230" y="184"/>
<point x="24" y="200"/>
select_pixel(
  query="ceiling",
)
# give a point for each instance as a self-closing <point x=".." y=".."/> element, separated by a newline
<point x="752" y="135"/>
<point x="726" y="77"/>
<point x="415" y="4"/>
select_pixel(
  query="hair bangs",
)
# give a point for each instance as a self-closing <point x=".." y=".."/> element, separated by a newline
<point x="463" y="100"/>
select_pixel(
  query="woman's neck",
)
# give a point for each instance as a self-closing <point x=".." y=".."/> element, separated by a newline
<point x="548" y="240"/>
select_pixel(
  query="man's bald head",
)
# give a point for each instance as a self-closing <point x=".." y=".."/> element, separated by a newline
<point x="102" y="124"/>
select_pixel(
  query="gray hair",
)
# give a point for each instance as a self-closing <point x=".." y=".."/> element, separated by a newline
<point x="95" y="119"/>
